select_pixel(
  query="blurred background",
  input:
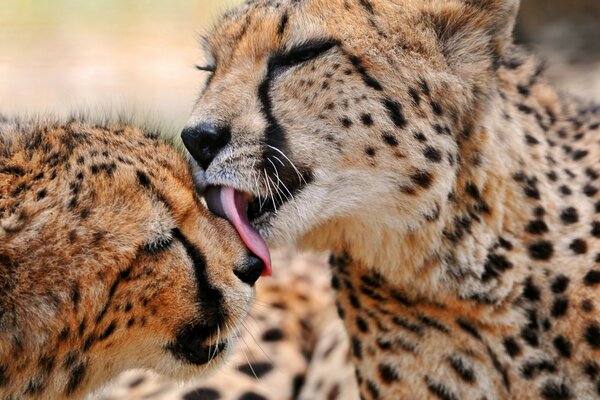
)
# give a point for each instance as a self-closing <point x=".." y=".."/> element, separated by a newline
<point x="139" y="55"/>
<point x="99" y="55"/>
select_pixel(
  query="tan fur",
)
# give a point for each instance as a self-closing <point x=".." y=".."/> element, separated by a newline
<point x="443" y="170"/>
<point x="93" y="279"/>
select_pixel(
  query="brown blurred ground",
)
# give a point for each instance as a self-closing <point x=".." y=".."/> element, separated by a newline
<point x="566" y="33"/>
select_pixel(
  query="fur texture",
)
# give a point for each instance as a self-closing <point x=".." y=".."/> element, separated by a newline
<point x="108" y="261"/>
<point x="458" y="191"/>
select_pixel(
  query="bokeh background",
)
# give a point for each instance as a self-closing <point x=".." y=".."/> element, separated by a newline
<point x="138" y="55"/>
<point x="103" y="55"/>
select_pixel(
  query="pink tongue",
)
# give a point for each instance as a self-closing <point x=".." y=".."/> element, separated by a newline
<point x="230" y="203"/>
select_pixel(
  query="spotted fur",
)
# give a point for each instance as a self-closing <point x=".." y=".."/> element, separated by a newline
<point x="458" y="192"/>
<point x="108" y="261"/>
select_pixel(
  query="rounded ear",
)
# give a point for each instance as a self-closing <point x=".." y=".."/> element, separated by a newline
<point x="473" y="34"/>
<point x="502" y="14"/>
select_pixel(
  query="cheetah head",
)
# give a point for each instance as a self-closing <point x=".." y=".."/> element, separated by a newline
<point x="329" y="116"/>
<point x="109" y="261"/>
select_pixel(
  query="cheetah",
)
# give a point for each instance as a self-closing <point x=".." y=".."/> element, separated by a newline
<point x="457" y="192"/>
<point x="109" y="261"/>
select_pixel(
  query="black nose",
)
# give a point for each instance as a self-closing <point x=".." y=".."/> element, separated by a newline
<point x="205" y="140"/>
<point x="251" y="270"/>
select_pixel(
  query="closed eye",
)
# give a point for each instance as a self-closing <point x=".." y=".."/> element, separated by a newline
<point x="206" y="68"/>
<point x="159" y="244"/>
<point x="301" y="54"/>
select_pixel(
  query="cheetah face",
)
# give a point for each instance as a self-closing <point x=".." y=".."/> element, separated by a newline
<point x="111" y="263"/>
<point x="322" y="111"/>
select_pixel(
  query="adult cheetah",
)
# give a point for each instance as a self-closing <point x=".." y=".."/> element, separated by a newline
<point x="109" y="261"/>
<point x="457" y="191"/>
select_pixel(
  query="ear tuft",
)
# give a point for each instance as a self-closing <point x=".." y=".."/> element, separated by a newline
<point x="502" y="14"/>
<point x="473" y="34"/>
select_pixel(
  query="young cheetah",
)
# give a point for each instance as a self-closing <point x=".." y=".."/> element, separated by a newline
<point x="108" y="261"/>
<point x="458" y="192"/>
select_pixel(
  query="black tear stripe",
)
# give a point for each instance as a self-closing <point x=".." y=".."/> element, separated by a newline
<point x="275" y="137"/>
<point x="207" y="295"/>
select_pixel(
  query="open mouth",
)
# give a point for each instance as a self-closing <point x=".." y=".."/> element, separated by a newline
<point x="235" y="206"/>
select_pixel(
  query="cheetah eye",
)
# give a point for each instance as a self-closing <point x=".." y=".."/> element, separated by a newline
<point x="301" y="54"/>
<point x="206" y="68"/>
<point x="159" y="244"/>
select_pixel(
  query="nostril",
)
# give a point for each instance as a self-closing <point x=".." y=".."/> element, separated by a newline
<point x="251" y="270"/>
<point x="205" y="140"/>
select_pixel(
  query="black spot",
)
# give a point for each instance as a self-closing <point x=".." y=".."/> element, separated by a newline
<point x="390" y="140"/>
<point x="495" y="264"/>
<point x="537" y="227"/>
<point x="422" y="178"/>
<point x="531" y="140"/>
<point x="532" y="368"/>
<point x="420" y="136"/>
<point x="76" y="376"/>
<point x="560" y="306"/>
<point x="373" y="389"/>
<point x="143" y="179"/>
<point x="366" y="119"/>
<point x="596" y="229"/>
<point x="437" y="108"/>
<point x="565" y="190"/>
<point x="370" y="151"/>
<point x="542" y="250"/>
<point x="273" y="335"/>
<point x="512" y="347"/>
<point x="256" y="369"/>
<point x="530" y="337"/>
<point x="110" y="329"/>
<point x="356" y="347"/>
<point x="252" y="396"/>
<point x="464" y="371"/>
<point x="283" y="23"/>
<point x="298" y="384"/>
<point x="367" y="79"/>
<point x="592" y="278"/>
<point x="362" y="324"/>
<point x="414" y="94"/>
<point x="553" y="390"/>
<point x="569" y="216"/>
<point x="560" y="284"/>
<point x="202" y="394"/>
<point x="591" y="369"/>
<point x="346" y="122"/>
<point x="530" y="290"/>
<point x="432" y="154"/>
<point x="469" y="328"/>
<point x="442" y="130"/>
<point x="563" y="346"/>
<point x="394" y="110"/>
<point x="388" y="374"/>
<point x="592" y="335"/>
<point x="587" y="306"/>
<point x="579" y="246"/>
<point x="579" y="154"/>
<point x="439" y="390"/>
